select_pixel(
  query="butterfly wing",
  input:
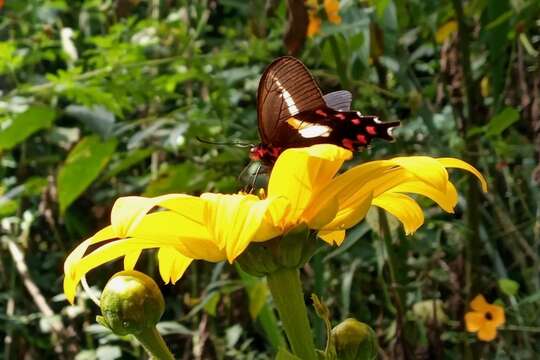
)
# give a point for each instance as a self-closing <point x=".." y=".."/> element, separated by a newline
<point x="286" y="89"/>
<point x="339" y="100"/>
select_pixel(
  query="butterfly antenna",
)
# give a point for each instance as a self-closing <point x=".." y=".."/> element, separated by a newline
<point x="235" y="143"/>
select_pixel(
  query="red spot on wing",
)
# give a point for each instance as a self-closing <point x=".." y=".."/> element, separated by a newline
<point x="361" y="139"/>
<point x="340" y="116"/>
<point x="371" y="130"/>
<point x="321" y="112"/>
<point x="356" y="121"/>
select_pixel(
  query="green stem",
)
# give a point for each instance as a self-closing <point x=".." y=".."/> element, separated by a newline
<point x="154" y="344"/>
<point x="288" y="297"/>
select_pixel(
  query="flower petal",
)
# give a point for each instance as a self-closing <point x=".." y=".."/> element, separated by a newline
<point x="102" y="235"/>
<point x="460" y="164"/>
<point x="474" y="321"/>
<point x="172" y="264"/>
<point x="76" y="270"/>
<point x="130" y="259"/>
<point x="167" y="228"/>
<point x="319" y="214"/>
<point x="446" y="200"/>
<point x="299" y="173"/>
<point x="356" y="184"/>
<point x="497" y="312"/>
<point x="332" y="236"/>
<point x="487" y="332"/>
<point x="235" y="220"/>
<point x="425" y="168"/>
<point x="348" y="216"/>
<point x="128" y="211"/>
<point x="402" y="207"/>
<point x="479" y="303"/>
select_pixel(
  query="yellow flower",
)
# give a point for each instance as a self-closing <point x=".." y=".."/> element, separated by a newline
<point x="332" y="11"/>
<point x="331" y="7"/>
<point x="303" y="190"/>
<point x="314" y="25"/>
<point x="484" y="319"/>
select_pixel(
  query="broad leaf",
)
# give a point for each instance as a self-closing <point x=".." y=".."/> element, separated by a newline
<point x="82" y="166"/>
<point x="22" y="125"/>
<point x="502" y="121"/>
<point x="508" y="286"/>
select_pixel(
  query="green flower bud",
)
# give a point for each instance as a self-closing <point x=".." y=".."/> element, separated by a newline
<point x="354" y="340"/>
<point x="131" y="303"/>
<point x="291" y="250"/>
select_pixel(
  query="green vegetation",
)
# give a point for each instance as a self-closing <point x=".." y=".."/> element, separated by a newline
<point x="102" y="99"/>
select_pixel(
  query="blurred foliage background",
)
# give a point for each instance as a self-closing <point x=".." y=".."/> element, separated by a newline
<point x="101" y="99"/>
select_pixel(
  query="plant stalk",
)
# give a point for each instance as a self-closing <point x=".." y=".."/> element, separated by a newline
<point x="154" y="344"/>
<point x="288" y="297"/>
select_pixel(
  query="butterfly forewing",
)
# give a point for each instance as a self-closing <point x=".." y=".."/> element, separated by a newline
<point x="285" y="90"/>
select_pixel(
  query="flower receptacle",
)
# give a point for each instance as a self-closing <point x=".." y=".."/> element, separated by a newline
<point x="292" y="251"/>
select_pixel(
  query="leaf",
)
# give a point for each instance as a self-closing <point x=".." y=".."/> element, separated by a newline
<point x="258" y="293"/>
<point x="96" y="118"/>
<point x="82" y="166"/>
<point x="173" y="327"/>
<point x="130" y="159"/>
<point x="25" y="124"/>
<point x="508" y="286"/>
<point x="184" y="177"/>
<point x="502" y="121"/>
<point x="284" y="354"/>
<point x="211" y="302"/>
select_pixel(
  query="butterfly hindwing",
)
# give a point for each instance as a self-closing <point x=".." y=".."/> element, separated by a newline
<point x="348" y="129"/>
<point x="339" y="100"/>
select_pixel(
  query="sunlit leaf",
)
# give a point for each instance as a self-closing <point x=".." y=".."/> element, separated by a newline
<point x="83" y="164"/>
<point x="508" y="286"/>
<point x="21" y="126"/>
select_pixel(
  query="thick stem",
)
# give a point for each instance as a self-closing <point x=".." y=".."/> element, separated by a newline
<point x="288" y="297"/>
<point x="154" y="344"/>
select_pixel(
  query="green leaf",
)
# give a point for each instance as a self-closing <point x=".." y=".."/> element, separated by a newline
<point x="258" y="293"/>
<point x="284" y="354"/>
<point x="96" y="118"/>
<point x="126" y="162"/>
<point x="184" y="177"/>
<point x="508" y="286"/>
<point x="82" y="166"/>
<point x="502" y="121"/>
<point x="15" y="130"/>
<point x="211" y="302"/>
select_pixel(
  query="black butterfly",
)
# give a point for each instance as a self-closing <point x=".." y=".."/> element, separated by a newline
<point x="292" y="112"/>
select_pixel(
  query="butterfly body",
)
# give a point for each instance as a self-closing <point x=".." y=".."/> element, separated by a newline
<point x="292" y="112"/>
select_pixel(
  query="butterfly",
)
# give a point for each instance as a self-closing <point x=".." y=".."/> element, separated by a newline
<point x="292" y="112"/>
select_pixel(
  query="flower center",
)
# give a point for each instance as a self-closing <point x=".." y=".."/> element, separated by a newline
<point x="488" y="316"/>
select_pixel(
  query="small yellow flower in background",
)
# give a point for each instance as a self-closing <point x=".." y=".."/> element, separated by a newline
<point x="484" y="319"/>
<point x="304" y="190"/>
<point x="314" y="25"/>
<point x="331" y="7"/>
<point x="332" y="11"/>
